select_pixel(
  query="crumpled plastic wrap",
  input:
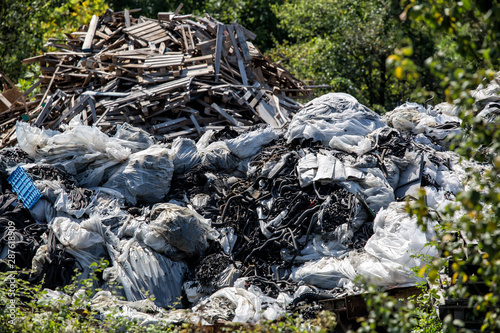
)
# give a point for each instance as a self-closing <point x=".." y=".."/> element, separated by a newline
<point x="145" y="176"/>
<point x="182" y="227"/>
<point x="337" y="120"/>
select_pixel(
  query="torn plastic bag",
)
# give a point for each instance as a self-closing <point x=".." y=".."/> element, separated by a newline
<point x="70" y="147"/>
<point x="144" y="312"/>
<point x="337" y="120"/>
<point x="217" y="156"/>
<point x="145" y="233"/>
<point x="72" y="234"/>
<point x="71" y="205"/>
<point x="406" y="117"/>
<point x="88" y="241"/>
<point x="325" y="273"/>
<point x="107" y="206"/>
<point x="199" y="201"/>
<point x="248" y="144"/>
<point x="446" y="109"/>
<point x="244" y="306"/>
<point x="316" y="249"/>
<point x="227" y="277"/>
<point x="86" y="246"/>
<point x="435" y="199"/>
<point x="204" y="141"/>
<point x="184" y="155"/>
<point x="144" y="177"/>
<point x="374" y="188"/>
<point x="397" y="243"/>
<point x="31" y="138"/>
<point x="141" y="270"/>
<point x="81" y="149"/>
<point x="415" y="118"/>
<point x="133" y="137"/>
<point x="227" y="239"/>
<point x="448" y="180"/>
<point x="43" y="211"/>
<point x="182" y="227"/>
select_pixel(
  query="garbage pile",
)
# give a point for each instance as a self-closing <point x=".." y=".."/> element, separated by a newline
<point x="233" y="226"/>
<point x="178" y="75"/>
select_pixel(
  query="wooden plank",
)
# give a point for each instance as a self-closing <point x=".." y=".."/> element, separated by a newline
<point x="225" y="115"/>
<point x="45" y="111"/>
<point x="195" y="123"/>
<point x="138" y="27"/>
<point x="178" y="9"/>
<point x="89" y="38"/>
<point x="169" y="123"/>
<point x="33" y="59"/>
<point x="177" y="134"/>
<point x="218" y="50"/>
<point x="5" y="101"/>
<point x="127" y="18"/>
<point x="241" y="66"/>
<point x="267" y="113"/>
<point x="92" y="109"/>
<point x="249" y="35"/>
<point x="243" y="43"/>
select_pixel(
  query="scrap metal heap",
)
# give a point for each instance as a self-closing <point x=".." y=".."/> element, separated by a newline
<point x="239" y="226"/>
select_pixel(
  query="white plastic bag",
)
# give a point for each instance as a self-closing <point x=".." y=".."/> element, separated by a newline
<point x="337" y="120"/>
<point x="248" y="144"/>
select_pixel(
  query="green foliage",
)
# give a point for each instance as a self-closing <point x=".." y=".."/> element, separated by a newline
<point x="26" y="307"/>
<point x="20" y="36"/>
<point x="468" y="44"/>
<point x="255" y="15"/>
<point x="345" y="44"/>
<point x="415" y="314"/>
<point x="26" y="25"/>
<point x="151" y="8"/>
<point x="467" y="54"/>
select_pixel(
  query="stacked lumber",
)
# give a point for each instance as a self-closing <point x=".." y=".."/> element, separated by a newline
<point x="177" y="75"/>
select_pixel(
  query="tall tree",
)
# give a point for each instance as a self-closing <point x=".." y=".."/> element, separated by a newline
<point x="468" y="55"/>
<point x="27" y="25"/>
<point x="345" y="44"/>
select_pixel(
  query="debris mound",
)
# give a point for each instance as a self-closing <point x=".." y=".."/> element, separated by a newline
<point x="177" y="75"/>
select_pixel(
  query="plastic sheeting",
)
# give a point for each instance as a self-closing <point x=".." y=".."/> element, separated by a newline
<point x="82" y="151"/>
<point x="143" y="273"/>
<point x="246" y="306"/>
<point x="337" y="120"/>
<point x="293" y="208"/>
<point x="182" y="227"/>
<point x="145" y="176"/>
<point x="184" y="155"/>
<point x="389" y="256"/>
<point x="248" y="144"/>
<point x="436" y="123"/>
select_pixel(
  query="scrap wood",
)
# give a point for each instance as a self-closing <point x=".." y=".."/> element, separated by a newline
<point x="144" y="70"/>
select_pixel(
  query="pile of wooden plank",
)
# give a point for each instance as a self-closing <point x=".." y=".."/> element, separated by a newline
<point x="177" y="75"/>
